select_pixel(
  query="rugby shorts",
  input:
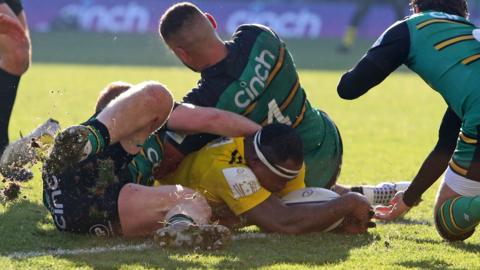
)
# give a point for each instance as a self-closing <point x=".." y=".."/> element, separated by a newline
<point x="323" y="163"/>
<point x="84" y="199"/>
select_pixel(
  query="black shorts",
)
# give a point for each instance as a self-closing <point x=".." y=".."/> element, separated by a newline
<point x="15" y="5"/>
<point x="84" y="199"/>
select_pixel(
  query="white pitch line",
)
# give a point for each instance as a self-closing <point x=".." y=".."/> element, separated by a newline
<point x="121" y="247"/>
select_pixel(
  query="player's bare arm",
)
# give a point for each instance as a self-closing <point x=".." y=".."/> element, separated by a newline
<point x="274" y="216"/>
<point x="188" y="118"/>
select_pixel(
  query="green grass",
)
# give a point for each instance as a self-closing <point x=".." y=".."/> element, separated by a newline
<point x="136" y="49"/>
<point x="387" y="134"/>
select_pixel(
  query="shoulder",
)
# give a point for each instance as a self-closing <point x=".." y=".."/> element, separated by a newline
<point x="398" y="30"/>
<point x="252" y="30"/>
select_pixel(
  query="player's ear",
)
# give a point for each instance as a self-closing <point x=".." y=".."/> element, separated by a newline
<point x="212" y="20"/>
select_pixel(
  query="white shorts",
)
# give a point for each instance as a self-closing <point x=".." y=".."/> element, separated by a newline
<point x="460" y="184"/>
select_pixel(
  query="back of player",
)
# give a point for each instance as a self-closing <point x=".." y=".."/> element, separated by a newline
<point x="258" y="79"/>
<point x="445" y="54"/>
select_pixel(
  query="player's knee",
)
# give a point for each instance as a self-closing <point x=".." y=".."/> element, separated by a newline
<point x="157" y="95"/>
<point x="446" y="233"/>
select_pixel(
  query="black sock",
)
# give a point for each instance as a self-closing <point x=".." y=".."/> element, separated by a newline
<point x="8" y="92"/>
<point x="357" y="189"/>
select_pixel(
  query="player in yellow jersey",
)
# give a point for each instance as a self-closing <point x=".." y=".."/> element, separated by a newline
<point x="248" y="175"/>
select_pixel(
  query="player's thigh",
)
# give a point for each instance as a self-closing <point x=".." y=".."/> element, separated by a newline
<point x="148" y="102"/>
<point x="14" y="54"/>
<point x="143" y="209"/>
<point x="455" y="185"/>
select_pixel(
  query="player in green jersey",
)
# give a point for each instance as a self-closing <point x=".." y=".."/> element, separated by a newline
<point x="437" y="43"/>
<point x="253" y="74"/>
<point x="98" y="176"/>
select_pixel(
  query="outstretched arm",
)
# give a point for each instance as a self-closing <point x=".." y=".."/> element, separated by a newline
<point x="274" y="216"/>
<point x="188" y="118"/>
<point x="386" y="55"/>
<point x="432" y="168"/>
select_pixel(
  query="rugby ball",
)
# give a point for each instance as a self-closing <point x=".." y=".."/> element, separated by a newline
<point x="312" y="195"/>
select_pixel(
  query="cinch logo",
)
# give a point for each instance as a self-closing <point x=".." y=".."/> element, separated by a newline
<point x="118" y="18"/>
<point x="289" y="24"/>
<point x="58" y="218"/>
<point x="252" y="89"/>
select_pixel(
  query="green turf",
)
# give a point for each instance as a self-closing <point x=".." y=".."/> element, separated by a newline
<point x="135" y="49"/>
<point x="386" y="134"/>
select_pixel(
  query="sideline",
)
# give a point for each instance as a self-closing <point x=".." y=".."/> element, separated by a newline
<point x="121" y="247"/>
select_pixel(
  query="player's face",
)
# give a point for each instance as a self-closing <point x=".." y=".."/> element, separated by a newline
<point x="271" y="181"/>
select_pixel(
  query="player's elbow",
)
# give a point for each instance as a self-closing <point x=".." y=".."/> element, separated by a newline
<point x="343" y="90"/>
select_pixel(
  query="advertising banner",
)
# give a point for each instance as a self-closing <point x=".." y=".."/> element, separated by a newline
<point x="292" y="19"/>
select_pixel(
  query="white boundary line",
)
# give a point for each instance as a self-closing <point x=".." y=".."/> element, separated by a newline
<point x="120" y="247"/>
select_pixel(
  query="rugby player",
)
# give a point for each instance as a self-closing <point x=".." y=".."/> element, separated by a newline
<point x="15" y="57"/>
<point x="243" y="179"/>
<point x="254" y="75"/>
<point x="97" y="178"/>
<point x="436" y="42"/>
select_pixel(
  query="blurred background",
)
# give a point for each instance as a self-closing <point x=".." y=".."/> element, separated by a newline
<point x="124" y="32"/>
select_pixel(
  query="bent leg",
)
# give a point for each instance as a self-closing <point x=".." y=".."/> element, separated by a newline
<point x="14" y="61"/>
<point x="143" y="108"/>
<point x="143" y="210"/>
<point x="457" y="208"/>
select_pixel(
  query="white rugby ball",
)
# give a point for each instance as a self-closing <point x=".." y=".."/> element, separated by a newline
<point x="312" y="195"/>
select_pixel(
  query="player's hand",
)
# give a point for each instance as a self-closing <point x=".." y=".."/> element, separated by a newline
<point x="12" y="28"/>
<point x="396" y="208"/>
<point x="359" y="219"/>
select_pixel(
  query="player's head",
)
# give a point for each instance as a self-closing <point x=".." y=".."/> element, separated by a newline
<point x="455" y="7"/>
<point x="278" y="151"/>
<point x="109" y="93"/>
<point x="188" y="32"/>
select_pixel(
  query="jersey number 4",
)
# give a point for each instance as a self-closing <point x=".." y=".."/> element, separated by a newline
<point x="275" y="112"/>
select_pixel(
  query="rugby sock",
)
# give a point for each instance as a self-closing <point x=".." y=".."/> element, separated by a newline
<point x="8" y="92"/>
<point x="99" y="137"/>
<point x="458" y="217"/>
<point x="178" y="218"/>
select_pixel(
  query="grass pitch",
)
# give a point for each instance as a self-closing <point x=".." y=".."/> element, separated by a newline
<point x="387" y="134"/>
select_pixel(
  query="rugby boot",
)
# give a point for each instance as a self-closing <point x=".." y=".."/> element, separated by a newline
<point x="383" y="193"/>
<point x="189" y="235"/>
<point x="27" y="151"/>
<point x="70" y="147"/>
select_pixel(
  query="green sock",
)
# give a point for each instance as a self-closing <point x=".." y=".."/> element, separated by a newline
<point x="459" y="216"/>
<point x="98" y="137"/>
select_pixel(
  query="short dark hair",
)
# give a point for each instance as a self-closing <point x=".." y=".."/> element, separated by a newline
<point x="455" y="7"/>
<point x="109" y="93"/>
<point x="280" y="142"/>
<point x="175" y="17"/>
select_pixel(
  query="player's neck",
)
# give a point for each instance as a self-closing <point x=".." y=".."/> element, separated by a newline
<point x="248" y="148"/>
<point x="216" y="53"/>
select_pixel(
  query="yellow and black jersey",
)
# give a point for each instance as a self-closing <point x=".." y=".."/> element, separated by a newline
<point x="220" y="173"/>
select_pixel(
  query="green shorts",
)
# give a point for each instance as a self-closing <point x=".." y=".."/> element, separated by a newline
<point x="324" y="162"/>
<point x="466" y="158"/>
